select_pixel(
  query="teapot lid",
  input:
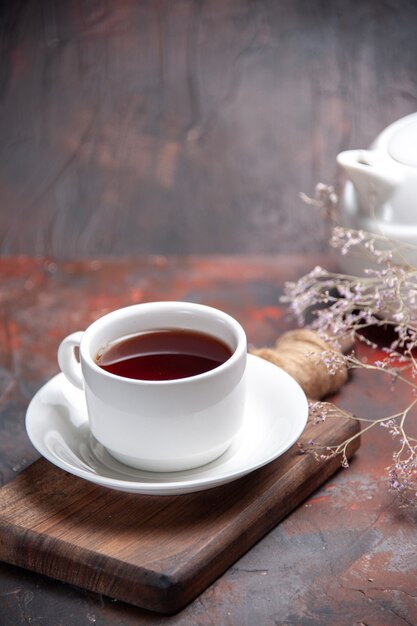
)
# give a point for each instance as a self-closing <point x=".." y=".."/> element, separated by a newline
<point x="402" y="146"/>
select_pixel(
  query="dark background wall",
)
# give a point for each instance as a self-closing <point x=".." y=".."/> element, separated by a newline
<point x="188" y="126"/>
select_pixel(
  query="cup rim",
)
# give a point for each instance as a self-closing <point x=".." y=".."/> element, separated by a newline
<point x="239" y="352"/>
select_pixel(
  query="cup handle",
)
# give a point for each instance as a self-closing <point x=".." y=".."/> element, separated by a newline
<point x="68" y="363"/>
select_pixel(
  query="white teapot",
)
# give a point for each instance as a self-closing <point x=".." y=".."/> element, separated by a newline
<point x="380" y="195"/>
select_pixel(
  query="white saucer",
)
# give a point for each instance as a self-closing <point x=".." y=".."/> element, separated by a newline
<point x="275" y="416"/>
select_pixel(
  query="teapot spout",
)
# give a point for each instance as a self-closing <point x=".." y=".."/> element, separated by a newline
<point x="374" y="178"/>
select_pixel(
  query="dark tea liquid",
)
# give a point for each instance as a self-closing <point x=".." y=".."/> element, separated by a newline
<point x="164" y="355"/>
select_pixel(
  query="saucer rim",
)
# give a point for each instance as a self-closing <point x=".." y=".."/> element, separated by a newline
<point x="182" y="486"/>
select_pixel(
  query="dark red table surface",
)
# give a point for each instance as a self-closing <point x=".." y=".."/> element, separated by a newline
<point x="345" y="556"/>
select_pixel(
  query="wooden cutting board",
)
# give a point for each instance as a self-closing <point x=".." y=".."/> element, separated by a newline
<point x="154" y="552"/>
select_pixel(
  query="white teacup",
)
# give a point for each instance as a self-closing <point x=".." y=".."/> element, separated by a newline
<point x="167" y="425"/>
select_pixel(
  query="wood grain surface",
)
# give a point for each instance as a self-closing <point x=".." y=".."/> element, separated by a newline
<point x="154" y="552"/>
<point x="181" y="127"/>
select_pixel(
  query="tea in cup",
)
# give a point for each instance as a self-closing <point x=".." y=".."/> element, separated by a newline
<point x="164" y="382"/>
